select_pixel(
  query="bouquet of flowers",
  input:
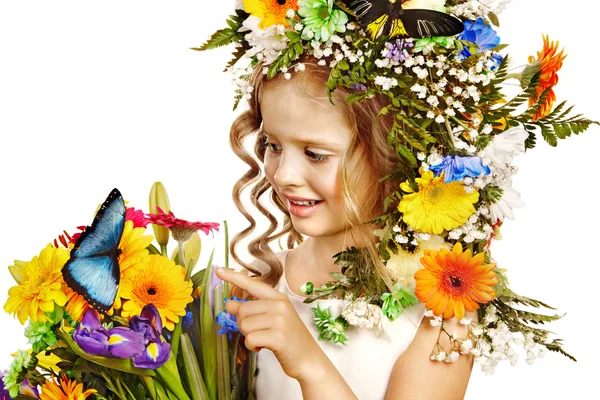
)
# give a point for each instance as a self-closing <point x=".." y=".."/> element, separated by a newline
<point x="110" y="314"/>
<point x="442" y="70"/>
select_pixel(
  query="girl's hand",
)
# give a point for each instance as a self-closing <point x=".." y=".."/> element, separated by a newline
<point x="271" y="321"/>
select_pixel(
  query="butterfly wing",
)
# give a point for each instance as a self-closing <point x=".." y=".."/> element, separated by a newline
<point x="106" y="230"/>
<point x="372" y="15"/>
<point x="96" y="279"/>
<point x="417" y="23"/>
<point x="93" y="269"/>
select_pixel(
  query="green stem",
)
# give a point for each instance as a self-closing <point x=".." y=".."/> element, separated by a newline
<point x="163" y="250"/>
<point x="178" y="327"/>
<point x="149" y="383"/>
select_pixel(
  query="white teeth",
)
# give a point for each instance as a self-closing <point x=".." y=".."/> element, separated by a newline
<point x="304" y="203"/>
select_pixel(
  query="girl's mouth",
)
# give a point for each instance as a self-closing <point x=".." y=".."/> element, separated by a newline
<point x="303" y="208"/>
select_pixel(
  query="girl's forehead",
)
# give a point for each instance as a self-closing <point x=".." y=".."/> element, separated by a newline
<point x="297" y="115"/>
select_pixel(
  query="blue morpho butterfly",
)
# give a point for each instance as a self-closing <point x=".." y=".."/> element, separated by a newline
<point x="400" y="18"/>
<point x="93" y="269"/>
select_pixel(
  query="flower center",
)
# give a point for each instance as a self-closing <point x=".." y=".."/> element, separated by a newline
<point x="281" y="2"/>
<point x="436" y="192"/>
<point x="324" y="12"/>
<point x="151" y="291"/>
<point x="455" y="281"/>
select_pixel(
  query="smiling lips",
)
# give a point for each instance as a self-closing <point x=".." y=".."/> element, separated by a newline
<point x="301" y="207"/>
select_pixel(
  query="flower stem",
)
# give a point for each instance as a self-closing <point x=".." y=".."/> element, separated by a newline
<point x="178" y="327"/>
<point x="163" y="250"/>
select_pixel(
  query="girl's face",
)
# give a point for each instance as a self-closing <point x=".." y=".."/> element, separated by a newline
<point x="306" y="139"/>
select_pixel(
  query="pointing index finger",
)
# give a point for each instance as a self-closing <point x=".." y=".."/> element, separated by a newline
<point x="256" y="288"/>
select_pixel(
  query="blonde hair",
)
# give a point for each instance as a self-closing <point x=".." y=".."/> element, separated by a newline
<point x="369" y="136"/>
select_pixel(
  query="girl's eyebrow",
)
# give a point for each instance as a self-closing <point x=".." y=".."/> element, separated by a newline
<point x="310" y="141"/>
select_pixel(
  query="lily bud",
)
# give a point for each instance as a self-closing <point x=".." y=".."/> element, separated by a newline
<point x="191" y="250"/>
<point x="159" y="198"/>
<point x="17" y="271"/>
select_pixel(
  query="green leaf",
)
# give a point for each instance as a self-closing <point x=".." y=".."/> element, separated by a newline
<point x="209" y="337"/>
<point x="493" y="19"/>
<point x="223" y="373"/>
<point x="192" y="370"/>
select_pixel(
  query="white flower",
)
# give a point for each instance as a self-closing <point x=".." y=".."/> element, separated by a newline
<point x="404" y="264"/>
<point x="239" y="5"/>
<point x="436" y="321"/>
<point x="268" y="41"/>
<point x="441" y="356"/>
<point x="465" y="321"/>
<point x="466" y="346"/>
<point x="452" y="357"/>
<point x="385" y="82"/>
<point x="290" y="13"/>
<point x="365" y="315"/>
<point x="503" y="147"/>
<point x="503" y="207"/>
<point x="428" y="313"/>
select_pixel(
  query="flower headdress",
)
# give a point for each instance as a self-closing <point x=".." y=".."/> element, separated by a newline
<point x="439" y="64"/>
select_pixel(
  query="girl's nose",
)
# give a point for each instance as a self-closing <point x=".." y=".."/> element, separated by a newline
<point x="289" y="172"/>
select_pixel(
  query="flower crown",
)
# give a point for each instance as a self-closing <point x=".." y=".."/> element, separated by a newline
<point x="455" y="132"/>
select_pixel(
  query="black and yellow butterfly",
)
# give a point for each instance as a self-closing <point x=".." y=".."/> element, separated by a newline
<point x="399" y="18"/>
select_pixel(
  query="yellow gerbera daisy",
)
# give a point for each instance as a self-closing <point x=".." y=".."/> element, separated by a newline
<point x="133" y="255"/>
<point x="162" y="283"/>
<point x="403" y="264"/>
<point x="437" y="205"/>
<point x="66" y="390"/>
<point x="271" y="12"/>
<point x="76" y="305"/>
<point x="41" y="286"/>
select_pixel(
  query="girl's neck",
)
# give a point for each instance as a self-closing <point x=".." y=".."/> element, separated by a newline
<point x="318" y="252"/>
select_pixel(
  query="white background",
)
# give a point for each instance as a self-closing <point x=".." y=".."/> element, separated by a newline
<point x="96" y="95"/>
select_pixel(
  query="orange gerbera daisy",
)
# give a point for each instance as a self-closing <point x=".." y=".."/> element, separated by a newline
<point x="66" y="390"/>
<point x="270" y="12"/>
<point x="453" y="281"/>
<point x="549" y="62"/>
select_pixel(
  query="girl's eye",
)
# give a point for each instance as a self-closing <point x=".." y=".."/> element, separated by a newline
<point x="273" y="147"/>
<point x="317" y="157"/>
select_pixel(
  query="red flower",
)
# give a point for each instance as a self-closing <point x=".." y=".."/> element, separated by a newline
<point x="137" y="217"/>
<point x="181" y="229"/>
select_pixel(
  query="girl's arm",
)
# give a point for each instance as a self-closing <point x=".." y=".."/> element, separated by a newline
<point x="324" y="381"/>
<point x="416" y="377"/>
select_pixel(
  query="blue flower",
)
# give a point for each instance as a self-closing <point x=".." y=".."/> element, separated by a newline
<point x="455" y="168"/>
<point x="483" y="36"/>
<point x="228" y="321"/>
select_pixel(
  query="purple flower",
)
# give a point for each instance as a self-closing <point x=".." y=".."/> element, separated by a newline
<point x="228" y="321"/>
<point x="153" y="356"/>
<point x="154" y="352"/>
<point x="4" y="395"/>
<point x="397" y="51"/>
<point x="358" y="86"/>
<point x="148" y="323"/>
<point x="91" y="336"/>
<point x="483" y="36"/>
<point x="456" y="168"/>
<point x="27" y="389"/>
<point x="141" y="342"/>
<point x="125" y="343"/>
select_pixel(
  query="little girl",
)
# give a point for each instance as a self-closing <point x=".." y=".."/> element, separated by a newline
<point x="322" y="162"/>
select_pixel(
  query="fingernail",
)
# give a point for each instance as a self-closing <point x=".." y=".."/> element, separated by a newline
<point x="221" y="269"/>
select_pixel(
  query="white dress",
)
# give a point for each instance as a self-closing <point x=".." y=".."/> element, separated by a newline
<point x="365" y="363"/>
